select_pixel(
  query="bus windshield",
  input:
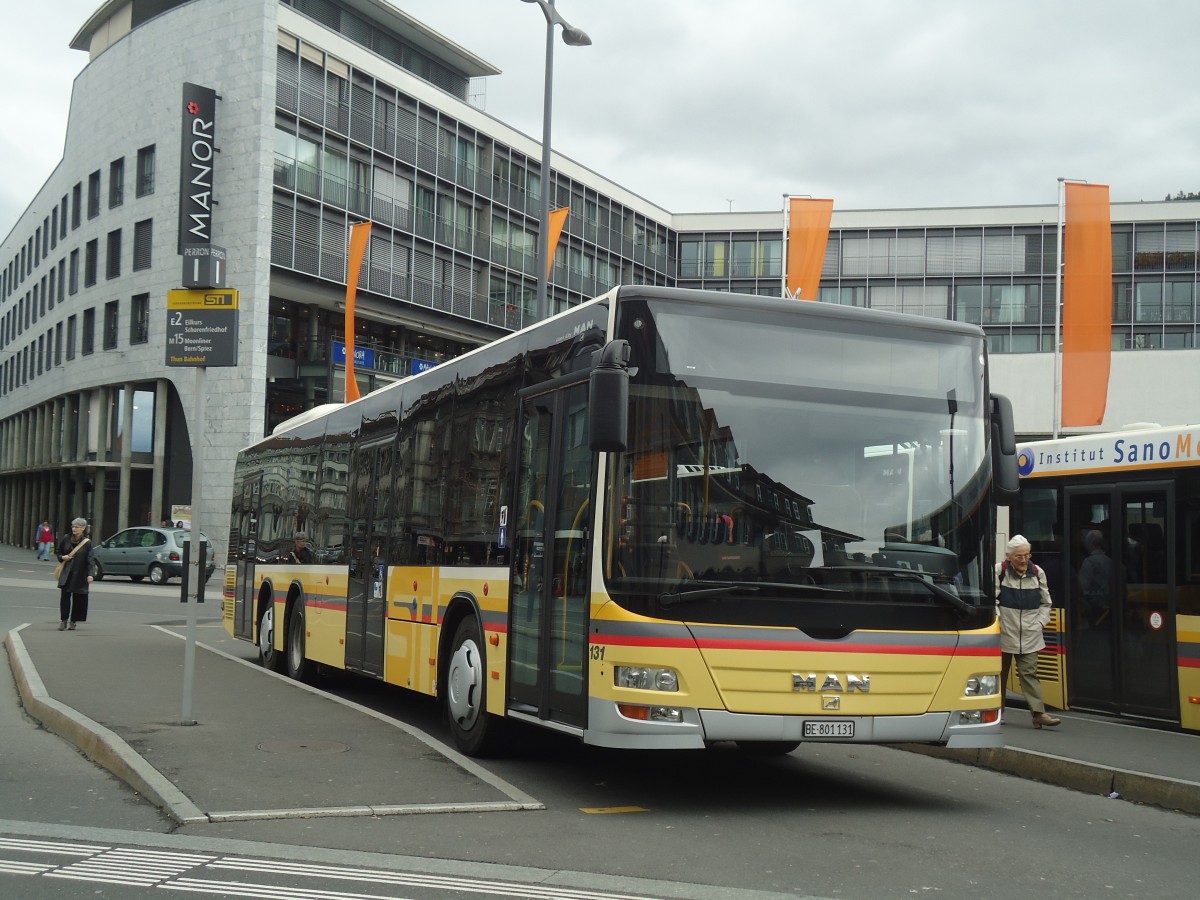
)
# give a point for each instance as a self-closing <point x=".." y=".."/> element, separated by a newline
<point x="786" y="464"/>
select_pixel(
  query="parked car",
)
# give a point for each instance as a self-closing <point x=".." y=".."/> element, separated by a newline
<point x="145" y="552"/>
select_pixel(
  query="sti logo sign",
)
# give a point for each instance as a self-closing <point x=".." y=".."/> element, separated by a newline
<point x="198" y="135"/>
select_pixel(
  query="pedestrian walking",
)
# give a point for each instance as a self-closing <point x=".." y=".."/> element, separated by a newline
<point x="75" y="576"/>
<point x="45" y="540"/>
<point x="1023" y="601"/>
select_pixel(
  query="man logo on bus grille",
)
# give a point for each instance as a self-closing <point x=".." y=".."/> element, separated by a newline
<point x="832" y="683"/>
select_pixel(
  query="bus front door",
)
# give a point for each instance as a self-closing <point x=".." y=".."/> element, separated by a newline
<point x="369" y="518"/>
<point x="550" y="590"/>
<point x="246" y="558"/>
<point x="1121" y="620"/>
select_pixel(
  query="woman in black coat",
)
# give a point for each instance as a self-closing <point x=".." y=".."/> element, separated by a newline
<point x="76" y="576"/>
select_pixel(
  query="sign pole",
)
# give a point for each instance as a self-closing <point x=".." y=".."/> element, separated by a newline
<point x="196" y="561"/>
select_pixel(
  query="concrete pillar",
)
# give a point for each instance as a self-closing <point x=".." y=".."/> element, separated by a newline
<point x="56" y="430"/>
<point x="83" y="416"/>
<point x="66" y="486"/>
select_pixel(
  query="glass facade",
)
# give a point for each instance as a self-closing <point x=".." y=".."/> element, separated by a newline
<point x="1000" y="277"/>
<point x="454" y="211"/>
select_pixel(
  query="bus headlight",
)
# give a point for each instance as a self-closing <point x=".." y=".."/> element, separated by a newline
<point x="648" y="678"/>
<point x="978" y="716"/>
<point x="650" y="713"/>
<point x="982" y="685"/>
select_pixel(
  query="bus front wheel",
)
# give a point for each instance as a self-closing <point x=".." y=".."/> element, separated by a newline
<point x="466" y="692"/>
<point x="267" y="654"/>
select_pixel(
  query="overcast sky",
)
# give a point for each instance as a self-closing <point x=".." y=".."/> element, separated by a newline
<point x="709" y="105"/>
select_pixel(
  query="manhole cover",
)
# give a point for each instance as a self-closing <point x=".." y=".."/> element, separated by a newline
<point x="303" y="747"/>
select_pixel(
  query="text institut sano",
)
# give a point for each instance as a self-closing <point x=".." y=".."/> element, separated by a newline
<point x="1157" y="448"/>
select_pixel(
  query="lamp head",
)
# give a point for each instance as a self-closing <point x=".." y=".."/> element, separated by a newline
<point x="576" y="37"/>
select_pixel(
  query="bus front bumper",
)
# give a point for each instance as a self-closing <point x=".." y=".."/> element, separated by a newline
<point x="698" y="728"/>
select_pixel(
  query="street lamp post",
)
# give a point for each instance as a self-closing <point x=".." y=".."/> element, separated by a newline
<point x="574" y="37"/>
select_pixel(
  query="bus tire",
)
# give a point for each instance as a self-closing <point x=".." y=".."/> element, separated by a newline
<point x="268" y="656"/>
<point x="474" y="730"/>
<point x="299" y="666"/>
<point x="767" y="748"/>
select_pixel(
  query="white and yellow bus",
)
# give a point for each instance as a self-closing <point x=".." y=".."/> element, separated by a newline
<point x="1114" y="519"/>
<point x="661" y="519"/>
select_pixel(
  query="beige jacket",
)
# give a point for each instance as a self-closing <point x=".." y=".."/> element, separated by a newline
<point x="1023" y="603"/>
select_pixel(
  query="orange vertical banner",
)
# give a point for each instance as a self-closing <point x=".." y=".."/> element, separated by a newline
<point x="558" y="218"/>
<point x="359" y="232"/>
<point x="808" y="233"/>
<point x="1087" y="304"/>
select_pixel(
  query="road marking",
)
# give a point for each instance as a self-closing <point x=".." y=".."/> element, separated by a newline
<point x="608" y="810"/>
<point x="165" y="869"/>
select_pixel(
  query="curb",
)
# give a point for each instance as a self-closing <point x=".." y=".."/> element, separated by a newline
<point x="99" y="744"/>
<point x="1091" y="778"/>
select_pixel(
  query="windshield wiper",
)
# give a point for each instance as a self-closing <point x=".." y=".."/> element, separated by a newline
<point x="936" y="589"/>
<point x="685" y="594"/>
<point x="909" y="575"/>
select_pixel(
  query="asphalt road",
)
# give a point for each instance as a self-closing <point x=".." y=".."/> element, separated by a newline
<point x="863" y="822"/>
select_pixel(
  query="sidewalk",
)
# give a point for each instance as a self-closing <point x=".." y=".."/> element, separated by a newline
<point x="1097" y="755"/>
<point x="115" y="693"/>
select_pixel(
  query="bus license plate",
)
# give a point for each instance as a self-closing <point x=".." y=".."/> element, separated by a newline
<point x="829" y="729"/>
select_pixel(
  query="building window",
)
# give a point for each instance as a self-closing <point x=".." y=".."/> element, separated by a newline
<point x="143" y="238"/>
<point x="111" y="313"/>
<point x="76" y="204"/>
<point x="116" y="182"/>
<point x="89" y="331"/>
<point x="74" y="272"/>
<point x="94" y="194"/>
<point x="1148" y="301"/>
<point x="71" y="337"/>
<point x="139" y="319"/>
<point x="58" y="344"/>
<point x="112" y="267"/>
<point x="91" y="252"/>
<point x="145" y="171"/>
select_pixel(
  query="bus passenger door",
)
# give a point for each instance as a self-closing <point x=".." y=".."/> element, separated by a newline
<point x="247" y="556"/>
<point x="1122" y="606"/>
<point x="370" y="538"/>
<point x="550" y="591"/>
<point x="1147" y="625"/>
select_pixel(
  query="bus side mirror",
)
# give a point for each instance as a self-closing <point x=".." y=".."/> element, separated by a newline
<point x="1005" y="479"/>
<point x="608" y="401"/>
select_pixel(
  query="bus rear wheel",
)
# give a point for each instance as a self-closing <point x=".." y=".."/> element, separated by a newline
<point x="299" y="666"/>
<point x="474" y="730"/>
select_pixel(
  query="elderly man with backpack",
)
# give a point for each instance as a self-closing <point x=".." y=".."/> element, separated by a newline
<point x="1023" y="601"/>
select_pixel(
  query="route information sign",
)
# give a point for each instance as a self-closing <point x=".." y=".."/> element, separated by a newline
<point x="202" y="328"/>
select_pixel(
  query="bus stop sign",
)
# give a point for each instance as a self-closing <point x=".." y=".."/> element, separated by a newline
<point x="202" y="328"/>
